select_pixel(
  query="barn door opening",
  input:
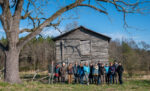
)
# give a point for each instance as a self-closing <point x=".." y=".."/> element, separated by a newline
<point x="85" y="47"/>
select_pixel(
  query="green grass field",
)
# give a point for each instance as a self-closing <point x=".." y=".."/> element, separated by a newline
<point x="130" y="85"/>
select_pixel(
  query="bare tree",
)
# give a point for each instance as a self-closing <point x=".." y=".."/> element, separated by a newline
<point x="37" y="54"/>
<point x="12" y="11"/>
<point x="71" y="26"/>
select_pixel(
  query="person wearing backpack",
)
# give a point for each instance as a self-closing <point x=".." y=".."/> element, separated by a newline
<point x="111" y="73"/>
<point x="120" y="71"/>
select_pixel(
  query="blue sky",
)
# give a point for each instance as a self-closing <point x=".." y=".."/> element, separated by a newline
<point x="111" y="25"/>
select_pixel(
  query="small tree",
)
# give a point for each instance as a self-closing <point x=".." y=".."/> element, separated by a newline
<point x="130" y="59"/>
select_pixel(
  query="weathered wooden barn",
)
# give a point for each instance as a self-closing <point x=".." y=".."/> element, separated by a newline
<point x="82" y="44"/>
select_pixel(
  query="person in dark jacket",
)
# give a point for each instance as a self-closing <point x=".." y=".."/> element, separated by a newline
<point x="63" y="72"/>
<point x="102" y="73"/>
<point x="99" y="72"/>
<point x="81" y="73"/>
<point x="75" y="71"/>
<point x="111" y="73"/>
<point x="57" y="73"/>
<point x="91" y="75"/>
<point x="99" y="63"/>
<point x="120" y="71"/>
<point x="115" y="75"/>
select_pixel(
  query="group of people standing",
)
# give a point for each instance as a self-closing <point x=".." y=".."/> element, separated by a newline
<point x="93" y="73"/>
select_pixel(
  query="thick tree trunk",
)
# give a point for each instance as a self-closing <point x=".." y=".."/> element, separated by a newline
<point x="12" y="66"/>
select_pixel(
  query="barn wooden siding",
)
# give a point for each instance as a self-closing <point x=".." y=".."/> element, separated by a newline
<point x="82" y="44"/>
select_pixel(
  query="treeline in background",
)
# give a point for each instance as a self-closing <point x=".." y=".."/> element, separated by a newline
<point x="35" y="55"/>
<point x="39" y="52"/>
<point x="135" y="57"/>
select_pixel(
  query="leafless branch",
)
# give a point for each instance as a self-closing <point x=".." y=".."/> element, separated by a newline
<point x="55" y="24"/>
<point x="1" y="17"/>
<point x="121" y="5"/>
<point x="131" y="4"/>
<point x="26" y="30"/>
<point x="6" y="15"/>
<point x="51" y="24"/>
<point x="26" y="15"/>
<point x="14" y="3"/>
<point x="56" y="28"/>
<point x="100" y="5"/>
<point x="47" y="22"/>
<point x="35" y="20"/>
<point x="93" y="7"/>
<point x="18" y="9"/>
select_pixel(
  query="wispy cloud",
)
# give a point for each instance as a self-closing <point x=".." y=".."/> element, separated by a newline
<point x="120" y="36"/>
<point x="45" y="33"/>
<point x="2" y="33"/>
<point x="51" y="32"/>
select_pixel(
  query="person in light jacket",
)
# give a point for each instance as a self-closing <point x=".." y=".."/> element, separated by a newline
<point x="86" y="72"/>
<point x="106" y="73"/>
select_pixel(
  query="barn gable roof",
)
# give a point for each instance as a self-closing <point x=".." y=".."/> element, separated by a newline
<point x="86" y="29"/>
